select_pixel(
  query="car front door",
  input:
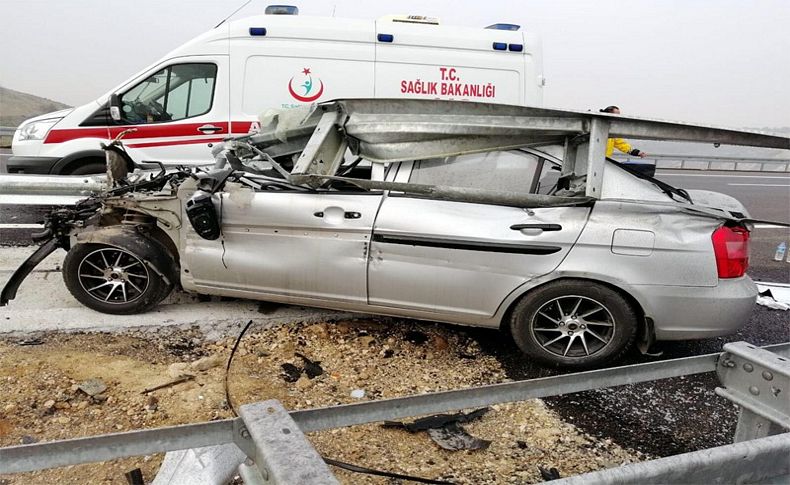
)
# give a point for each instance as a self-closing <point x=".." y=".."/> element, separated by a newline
<point x="302" y="244"/>
<point x="457" y="257"/>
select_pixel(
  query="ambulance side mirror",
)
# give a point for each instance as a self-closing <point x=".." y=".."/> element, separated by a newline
<point x="115" y="107"/>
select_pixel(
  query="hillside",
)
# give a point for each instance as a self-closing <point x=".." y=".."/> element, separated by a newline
<point x="16" y="106"/>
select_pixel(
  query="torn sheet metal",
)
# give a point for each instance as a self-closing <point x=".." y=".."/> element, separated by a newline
<point x="774" y="295"/>
<point x="436" y="421"/>
<point x="446" y="430"/>
<point x="454" y="437"/>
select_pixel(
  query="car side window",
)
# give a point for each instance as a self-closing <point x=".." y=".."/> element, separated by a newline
<point x="508" y="171"/>
<point x="173" y="93"/>
<point x="549" y="175"/>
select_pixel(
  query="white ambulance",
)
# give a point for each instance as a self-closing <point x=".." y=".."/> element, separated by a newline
<point x="217" y="84"/>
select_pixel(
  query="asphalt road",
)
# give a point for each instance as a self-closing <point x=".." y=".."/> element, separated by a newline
<point x="660" y="418"/>
<point x="766" y="195"/>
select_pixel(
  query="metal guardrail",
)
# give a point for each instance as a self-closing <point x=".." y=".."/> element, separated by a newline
<point x="7" y="130"/>
<point x="759" y="378"/>
<point x="705" y="162"/>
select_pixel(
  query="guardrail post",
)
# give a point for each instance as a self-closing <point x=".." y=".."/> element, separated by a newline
<point x="281" y="452"/>
<point x="759" y="382"/>
<point x="596" y="154"/>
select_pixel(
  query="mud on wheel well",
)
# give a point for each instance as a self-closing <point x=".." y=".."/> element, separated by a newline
<point x="645" y="335"/>
<point x="155" y="232"/>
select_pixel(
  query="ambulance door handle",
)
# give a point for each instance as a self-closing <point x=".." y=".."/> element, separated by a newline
<point x="209" y="129"/>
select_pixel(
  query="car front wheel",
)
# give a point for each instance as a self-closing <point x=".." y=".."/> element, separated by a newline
<point x="577" y="324"/>
<point x="113" y="280"/>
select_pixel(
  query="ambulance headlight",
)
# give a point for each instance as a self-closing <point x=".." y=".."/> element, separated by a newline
<point x="36" y="130"/>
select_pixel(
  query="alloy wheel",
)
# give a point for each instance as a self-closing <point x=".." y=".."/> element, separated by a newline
<point x="113" y="275"/>
<point x="573" y="326"/>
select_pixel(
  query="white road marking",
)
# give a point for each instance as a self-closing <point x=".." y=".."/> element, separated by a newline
<point x="21" y="226"/>
<point x="770" y="226"/>
<point x="660" y="174"/>
<point x="762" y="185"/>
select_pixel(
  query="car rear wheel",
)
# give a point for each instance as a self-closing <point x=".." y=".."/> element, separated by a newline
<point x="113" y="280"/>
<point x="576" y="324"/>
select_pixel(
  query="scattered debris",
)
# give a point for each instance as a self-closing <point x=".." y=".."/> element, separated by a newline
<point x="358" y="393"/>
<point x="446" y="430"/>
<point x="766" y="298"/>
<point x="454" y="437"/>
<point x="311" y="368"/>
<point x="93" y="387"/>
<point x="549" y="474"/>
<point x="291" y="373"/>
<point x="436" y="421"/>
<point x="167" y="384"/>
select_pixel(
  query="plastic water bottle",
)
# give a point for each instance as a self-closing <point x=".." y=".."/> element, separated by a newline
<point x="780" y="251"/>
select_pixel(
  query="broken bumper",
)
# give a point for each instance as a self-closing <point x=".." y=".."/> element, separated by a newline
<point x="10" y="288"/>
<point x="683" y="313"/>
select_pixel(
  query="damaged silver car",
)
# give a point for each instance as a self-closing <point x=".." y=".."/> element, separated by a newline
<point x="474" y="214"/>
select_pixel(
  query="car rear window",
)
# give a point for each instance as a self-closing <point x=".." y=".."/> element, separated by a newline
<point x="507" y="171"/>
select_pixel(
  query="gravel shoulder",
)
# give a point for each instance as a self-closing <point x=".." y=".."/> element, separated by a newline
<point x="41" y="399"/>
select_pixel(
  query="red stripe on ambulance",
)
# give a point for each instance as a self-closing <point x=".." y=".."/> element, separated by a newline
<point x="143" y="131"/>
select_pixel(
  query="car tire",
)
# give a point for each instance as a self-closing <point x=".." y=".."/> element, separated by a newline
<point x="114" y="280"/>
<point x="92" y="168"/>
<point x="574" y="324"/>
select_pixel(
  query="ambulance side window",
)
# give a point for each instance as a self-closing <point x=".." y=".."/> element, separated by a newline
<point x="174" y="93"/>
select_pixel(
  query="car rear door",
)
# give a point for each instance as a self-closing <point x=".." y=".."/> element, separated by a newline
<point x="458" y="257"/>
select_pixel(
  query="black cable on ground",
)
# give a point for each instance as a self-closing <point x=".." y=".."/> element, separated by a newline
<point x="370" y="471"/>
<point x="227" y="368"/>
<point x="329" y="461"/>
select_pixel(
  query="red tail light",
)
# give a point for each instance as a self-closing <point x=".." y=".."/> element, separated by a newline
<point x="731" y="247"/>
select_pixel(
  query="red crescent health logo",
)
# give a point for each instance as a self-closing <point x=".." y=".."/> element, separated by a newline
<point x="307" y="86"/>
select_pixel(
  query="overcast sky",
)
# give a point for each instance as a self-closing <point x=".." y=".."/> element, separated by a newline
<point x="724" y="62"/>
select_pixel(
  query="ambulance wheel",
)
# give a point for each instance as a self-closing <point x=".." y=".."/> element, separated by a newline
<point x="89" y="169"/>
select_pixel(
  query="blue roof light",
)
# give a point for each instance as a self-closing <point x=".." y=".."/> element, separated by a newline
<point x="512" y="27"/>
<point x="385" y="37"/>
<point x="515" y="47"/>
<point x="281" y="10"/>
<point x="257" y="30"/>
<point x="500" y="46"/>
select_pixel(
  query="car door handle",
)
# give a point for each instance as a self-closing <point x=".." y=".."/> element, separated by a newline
<point x="543" y="227"/>
<point x="346" y="215"/>
<point x="209" y="129"/>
